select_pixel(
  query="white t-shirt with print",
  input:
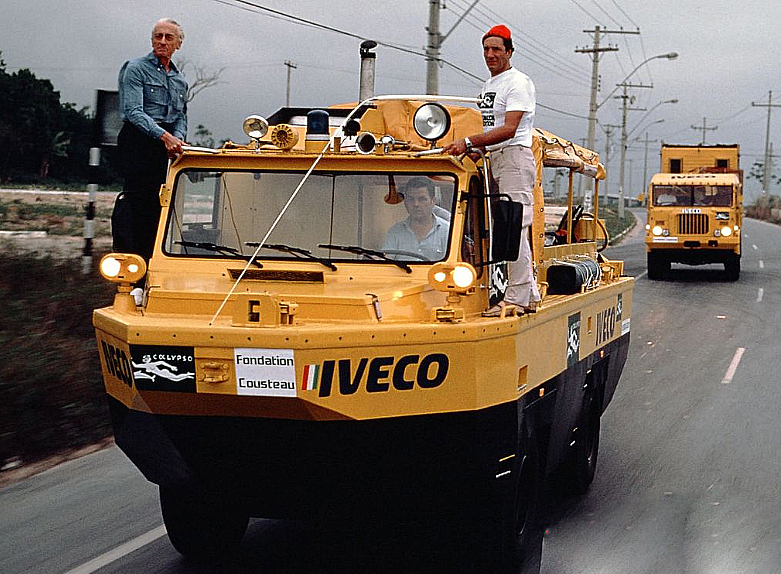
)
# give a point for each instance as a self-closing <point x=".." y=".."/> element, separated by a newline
<point x="510" y="91"/>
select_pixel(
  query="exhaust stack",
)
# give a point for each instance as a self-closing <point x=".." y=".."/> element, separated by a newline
<point x="368" y="60"/>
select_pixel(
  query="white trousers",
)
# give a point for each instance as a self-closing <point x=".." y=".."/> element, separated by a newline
<point x="513" y="170"/>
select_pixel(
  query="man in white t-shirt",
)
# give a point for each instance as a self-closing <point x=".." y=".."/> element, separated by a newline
<point x="507" y="103"/>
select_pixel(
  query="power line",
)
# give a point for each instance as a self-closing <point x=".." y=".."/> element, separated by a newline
<point x="535" y="58"/>
<point x="531" y="42"/>
<point x="616" y="22"/>
<point x="311" y="23"/>
<point x="589" y="14"/>
<point x="625" y="14"/>
<point x="562" y="111"/>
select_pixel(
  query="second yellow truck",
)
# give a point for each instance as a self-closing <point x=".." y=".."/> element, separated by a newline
<point x="695" y="209"/>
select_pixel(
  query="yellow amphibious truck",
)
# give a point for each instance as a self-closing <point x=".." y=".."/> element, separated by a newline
<point x="695" y="209"/>
<point x="296" y="354"/>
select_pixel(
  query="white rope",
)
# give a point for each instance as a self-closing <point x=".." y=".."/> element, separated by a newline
<point x="285" y="207"/>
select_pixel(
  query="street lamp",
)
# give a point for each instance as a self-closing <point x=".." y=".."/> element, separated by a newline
<point x="593" y="106"/>
<point x="624" y="136"/>
<point x="645" y="155"/>
<point x="668" y="56"/>
<point x="673" y="101"/>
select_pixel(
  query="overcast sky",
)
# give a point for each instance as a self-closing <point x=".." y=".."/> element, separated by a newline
<point x="728" y="59"/>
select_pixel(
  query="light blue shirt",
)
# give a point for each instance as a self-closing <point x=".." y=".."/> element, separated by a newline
<point x="148" y="95"/>
<point x="431" y="248"/>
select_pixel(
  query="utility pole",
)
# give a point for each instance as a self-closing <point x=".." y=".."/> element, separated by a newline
<point x="704" y="127"/>
<point x="768" y="146"/>
<point x="290" y="66"/>
<point x="432" y="48"/>
<point x="646" y="141"/>
<point x="608" y="146"/>
<point x="626" y="99"/>
<point x="435" y="41"/>
<point x="596" y="50"/>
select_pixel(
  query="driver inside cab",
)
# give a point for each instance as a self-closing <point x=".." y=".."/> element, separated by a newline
<point x="423" y="235"/>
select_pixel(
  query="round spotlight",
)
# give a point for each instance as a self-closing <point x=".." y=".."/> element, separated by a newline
<point x="431" y="121"/>
<point x="255" y="127"/>
<point x="122" y="267"/>
<point x="463" y="276"/>
<point x="440" y="276"/>
<point x="110" y="267"/>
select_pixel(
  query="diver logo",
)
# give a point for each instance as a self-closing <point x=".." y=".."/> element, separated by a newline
<point x="163" y="368"/>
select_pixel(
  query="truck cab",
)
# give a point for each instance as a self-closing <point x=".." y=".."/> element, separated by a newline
<point x="694" y="218"/>
<point x="306" y="346"/>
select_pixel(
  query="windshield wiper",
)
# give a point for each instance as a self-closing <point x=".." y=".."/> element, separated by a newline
<point x="224" y="249"/>
<point x="297" y="251"/>
<point x="358" y="250"/>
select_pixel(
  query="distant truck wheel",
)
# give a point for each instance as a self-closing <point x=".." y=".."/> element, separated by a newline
<point x="198" y="527"/>
<point x="732" y="267"/>
<point x="658" y="266"/>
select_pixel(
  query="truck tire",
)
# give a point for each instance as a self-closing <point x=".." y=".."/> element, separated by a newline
<point x="732" y="267"/>
<point x="198" y="526"/>
<point x="658" y="266"/>
<point x="583" y="456"/>
<point x="522" y="536"/>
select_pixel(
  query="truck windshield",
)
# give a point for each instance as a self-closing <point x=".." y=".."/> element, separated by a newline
<point x="693" y="195"/>
<point x="405" y="216"/>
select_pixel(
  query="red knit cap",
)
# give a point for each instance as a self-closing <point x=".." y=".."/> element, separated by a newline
<point x="500" y="30"/>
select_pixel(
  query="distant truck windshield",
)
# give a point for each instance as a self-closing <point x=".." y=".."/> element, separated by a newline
<point x="692" y="195"/>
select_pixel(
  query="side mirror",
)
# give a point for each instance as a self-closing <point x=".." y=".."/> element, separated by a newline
<point x="506" y="236"/>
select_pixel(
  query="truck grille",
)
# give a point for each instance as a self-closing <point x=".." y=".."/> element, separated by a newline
<point x="692" y="224"/>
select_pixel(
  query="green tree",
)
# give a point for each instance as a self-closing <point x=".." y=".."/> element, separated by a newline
<point x="39" y="135"/>
<point x="758" y="172"/>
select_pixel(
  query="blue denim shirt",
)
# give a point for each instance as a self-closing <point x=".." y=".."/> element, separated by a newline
<point x="148" y="95"/>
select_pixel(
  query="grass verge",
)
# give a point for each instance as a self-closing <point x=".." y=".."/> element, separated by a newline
<point x="51" y="390"/>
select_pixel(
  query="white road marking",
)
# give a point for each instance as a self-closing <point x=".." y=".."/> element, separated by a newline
<point x="754" y="246"/>
<point x="761" y="264"/>
<point x="642" y="274"/>
<point x="733" y="366"/>
<point x="759" y="295"/>
<point x="119" y="552"/>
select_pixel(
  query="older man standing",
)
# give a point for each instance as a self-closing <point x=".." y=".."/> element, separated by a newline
<point x="507" y="104"/>
<point x="153" y="107"/>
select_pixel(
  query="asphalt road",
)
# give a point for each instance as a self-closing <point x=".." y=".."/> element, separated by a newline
<point x="687" y="482"/>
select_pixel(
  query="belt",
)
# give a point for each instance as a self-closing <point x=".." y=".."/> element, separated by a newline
<point x="501" y="149"/>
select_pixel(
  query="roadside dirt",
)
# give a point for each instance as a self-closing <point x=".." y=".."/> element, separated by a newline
<point x="52" y="222"/>
<point x="26" y="470"/>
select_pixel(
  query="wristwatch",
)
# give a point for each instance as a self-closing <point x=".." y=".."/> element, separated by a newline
<point x="468" y="143"/>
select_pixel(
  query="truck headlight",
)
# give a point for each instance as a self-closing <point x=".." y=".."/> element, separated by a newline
<point x="726" y="231"/>
<point x="657" y="230"/>
<point x="448" y="277"/>
<point x="122" y="267"/>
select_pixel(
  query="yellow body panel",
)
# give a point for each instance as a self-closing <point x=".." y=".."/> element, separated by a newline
<point x="386" y="341"/>
<point x="690" y="158"/>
